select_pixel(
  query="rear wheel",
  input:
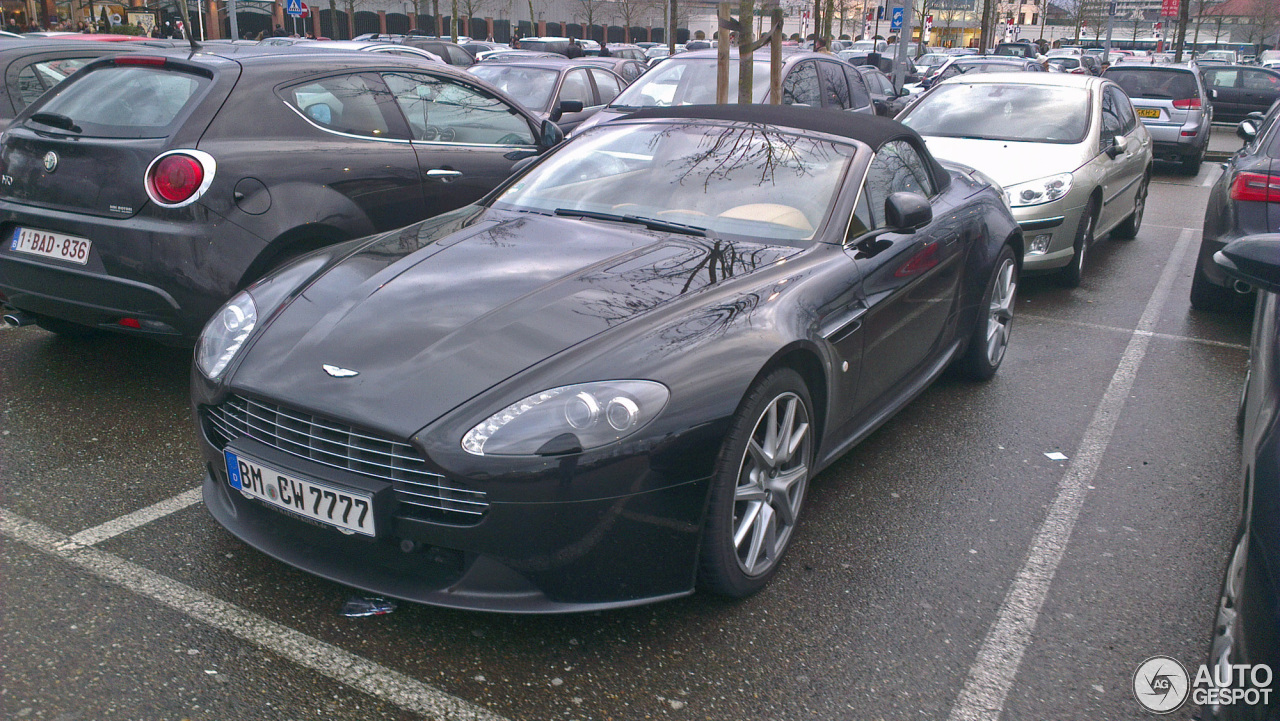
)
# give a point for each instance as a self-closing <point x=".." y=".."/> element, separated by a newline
<point x="1071" y="275"/>
<point x="1129" y="228"/>
<point x="994" y="324"/>
<point x="1191" y="163"/>
<point x="1207" y="296"/>
<point x="759" y="486"/>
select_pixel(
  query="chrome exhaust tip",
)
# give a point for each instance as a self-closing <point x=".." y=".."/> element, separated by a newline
<point x="17" y="319"/>
<point x="1242" y="287"/>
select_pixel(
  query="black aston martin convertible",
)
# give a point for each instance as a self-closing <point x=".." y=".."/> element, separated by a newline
<point x="611" y="381"/>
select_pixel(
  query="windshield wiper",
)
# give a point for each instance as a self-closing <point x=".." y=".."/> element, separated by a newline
<point x="56" y="120"/>
<point x="650" y="223"/>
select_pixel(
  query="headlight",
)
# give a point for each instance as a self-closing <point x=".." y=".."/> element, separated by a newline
<point x="1038" y="192"/>
<point x="224" y="334"/>
<point x="582" y="416"/>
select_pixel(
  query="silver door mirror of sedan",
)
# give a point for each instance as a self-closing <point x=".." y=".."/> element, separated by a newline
<point x="1247" y="130"/>
<point x="1119" y="144"/>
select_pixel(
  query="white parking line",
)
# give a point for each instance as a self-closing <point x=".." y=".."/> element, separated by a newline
<point x="1126" y="331"/>
<point x="128" y="522"/>
<point x="993" y="672"/>
<point x="324" y="658"/>
<point x="1215" y="171"/>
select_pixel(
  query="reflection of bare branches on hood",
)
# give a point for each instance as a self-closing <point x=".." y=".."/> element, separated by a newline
<point x="751" y="146"/>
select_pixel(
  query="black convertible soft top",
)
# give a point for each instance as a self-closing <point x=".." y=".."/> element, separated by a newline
<point x="870" y="129"/>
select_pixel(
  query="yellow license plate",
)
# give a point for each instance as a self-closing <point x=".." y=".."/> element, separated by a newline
<point x="1148" y="112"/>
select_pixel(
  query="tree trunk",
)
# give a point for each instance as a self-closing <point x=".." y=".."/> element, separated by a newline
<point x="746" y="58"/>
<point x="827" y="14"/>
<point x="453" y="21"/>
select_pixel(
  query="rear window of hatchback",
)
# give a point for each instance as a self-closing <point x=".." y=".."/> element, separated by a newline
<point x="1154" y="84"/>
<point x="126" y="101"/>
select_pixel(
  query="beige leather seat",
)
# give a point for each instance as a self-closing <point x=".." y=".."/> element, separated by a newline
<point x="775" y="213"/>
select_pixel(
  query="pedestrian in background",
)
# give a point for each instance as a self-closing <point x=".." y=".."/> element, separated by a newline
<point x="574" y="50"/>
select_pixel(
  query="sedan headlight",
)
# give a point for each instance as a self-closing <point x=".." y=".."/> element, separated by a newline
<point x="576" y="417"/>
<point x="224" y="335"/>
<point x="1038" y="192"/>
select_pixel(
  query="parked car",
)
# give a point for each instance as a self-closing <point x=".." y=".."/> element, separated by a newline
<point x="887" y="101"/>
<point x="1244" y="201"/>
<point x="1069" y="64"/>
<point x="1226" y="56"/>
<point x="1018" y="49"/>
<point x="506" y="56"/>
<point x="369" y="46"/>
<point x="1172" y="101"/>
<point x="1241" y="89"/>
<point x="814" y="79"/>
<point x="655" y="338"/>
<point x="1069" y="151"/>
<point x="153" y="187"/>
<point x="32" y="67"/>
<point x="562" y="91"/>
<point x="628" y="70"/>
<point x="963" y="64"/>
<point x="870" y="46"/>
<point x="452" y="53"/>
<point x="1247" y="624"/>
<point x="478" y="47"/>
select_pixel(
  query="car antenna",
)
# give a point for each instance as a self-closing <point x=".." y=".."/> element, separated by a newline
<point x="186" y="24"/>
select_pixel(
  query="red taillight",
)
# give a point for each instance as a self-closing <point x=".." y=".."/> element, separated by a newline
<point x="176" y="178"/>
<point x="138" y="60"/>
<point x="1187" y="104"/>
<point x="1256" y="187"/>
<point x="130" y="323"/>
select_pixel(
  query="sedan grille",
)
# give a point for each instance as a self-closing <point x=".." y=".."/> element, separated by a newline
<point x="422" y="493"/>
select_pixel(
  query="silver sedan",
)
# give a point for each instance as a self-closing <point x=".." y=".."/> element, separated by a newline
<point x="1072" y="157"/>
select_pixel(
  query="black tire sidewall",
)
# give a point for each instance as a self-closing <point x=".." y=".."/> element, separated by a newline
<point x="976" y="364"/>
<point x="719" y="571"/>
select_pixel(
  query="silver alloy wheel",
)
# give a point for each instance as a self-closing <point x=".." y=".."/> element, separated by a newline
<point x="771" y="484"/>
<point x="1085" y="240"/>
<point x="1139" y="204"/>
<point x="1000" y="314"/>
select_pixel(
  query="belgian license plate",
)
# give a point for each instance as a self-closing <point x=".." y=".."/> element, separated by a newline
<point x="51" y="245"/>
<point x="346" y="509"/>
<point x="1148" y="112"/>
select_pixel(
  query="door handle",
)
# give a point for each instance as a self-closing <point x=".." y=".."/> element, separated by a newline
<point x="443" y="175"/>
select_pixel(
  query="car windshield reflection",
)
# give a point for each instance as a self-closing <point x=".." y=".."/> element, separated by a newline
<point x="721" y="179"/>
<point x="1020" y="113"/>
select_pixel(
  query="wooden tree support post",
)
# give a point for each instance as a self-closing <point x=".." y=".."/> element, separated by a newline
<point x="722" y="56"/>
<point x="775" y="58"/>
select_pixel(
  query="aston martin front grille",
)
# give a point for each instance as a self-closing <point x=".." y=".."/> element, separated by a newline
<point x="422" y="493"/>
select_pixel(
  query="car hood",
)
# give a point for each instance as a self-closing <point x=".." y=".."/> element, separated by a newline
<point x="430" y="322"/>
<point x="1009" y="163"/>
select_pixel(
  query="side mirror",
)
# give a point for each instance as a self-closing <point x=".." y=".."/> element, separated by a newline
<point x="566" y="106"/>
<point x="551" y="135"/>
<point x="1118" y="145"/>
<point x="1254" y="259"/>
<point x="907" y="212"/>
<point x="1247" y="130"/>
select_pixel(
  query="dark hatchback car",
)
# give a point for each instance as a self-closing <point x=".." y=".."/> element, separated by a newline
<point x="627" y="69"/>
<point x="563" y="92"/>
<point x="1244" y="201"/>
<point x="1247" y="627"/>
<point x="1241" y="89"/>
<point x="152" y="187"/>
<point x="452" y="53"/>
<point x="617" y="376"/>
<point x="32" y="67"/>
<point x="887" y="101"/>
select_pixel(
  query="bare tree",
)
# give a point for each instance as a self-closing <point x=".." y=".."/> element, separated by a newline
<point x="630" y="12"/>
<point x="591" y="11"/>
<point x="471" y="9"/>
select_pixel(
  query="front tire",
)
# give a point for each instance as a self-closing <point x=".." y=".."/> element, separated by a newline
<point x="759" y="487"/>
<point x="1074" y="271"/>
<point x="1129" y="228"/>
<point x="991" y="330"/>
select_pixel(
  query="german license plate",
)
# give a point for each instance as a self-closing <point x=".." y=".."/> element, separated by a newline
<point x="51" y="245"/>
<point x="346" y="509"/>
<point x="1148" y="112"/>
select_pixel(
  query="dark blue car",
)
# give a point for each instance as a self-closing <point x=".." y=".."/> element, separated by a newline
<point x="1247" y="628"/>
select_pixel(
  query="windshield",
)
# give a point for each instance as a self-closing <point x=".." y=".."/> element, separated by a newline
<point x="721" y="179"/>
<point x="1069" y="63"/>
<point x="531" y="86"/>
<point x="993" y="111"/>
<point x="932" y="60"/>
<point x="864" y="45"/>
<point x="990" y="67"/>
<point x="688" y="82"/>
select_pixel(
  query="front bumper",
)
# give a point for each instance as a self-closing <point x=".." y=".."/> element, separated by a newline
<point x="170" y="273"/>
<point x="545" y="550"/>
<point x="1052" y="220"/>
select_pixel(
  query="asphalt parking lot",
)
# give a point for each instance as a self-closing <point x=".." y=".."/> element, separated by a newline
<point x="946" y="567"/>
